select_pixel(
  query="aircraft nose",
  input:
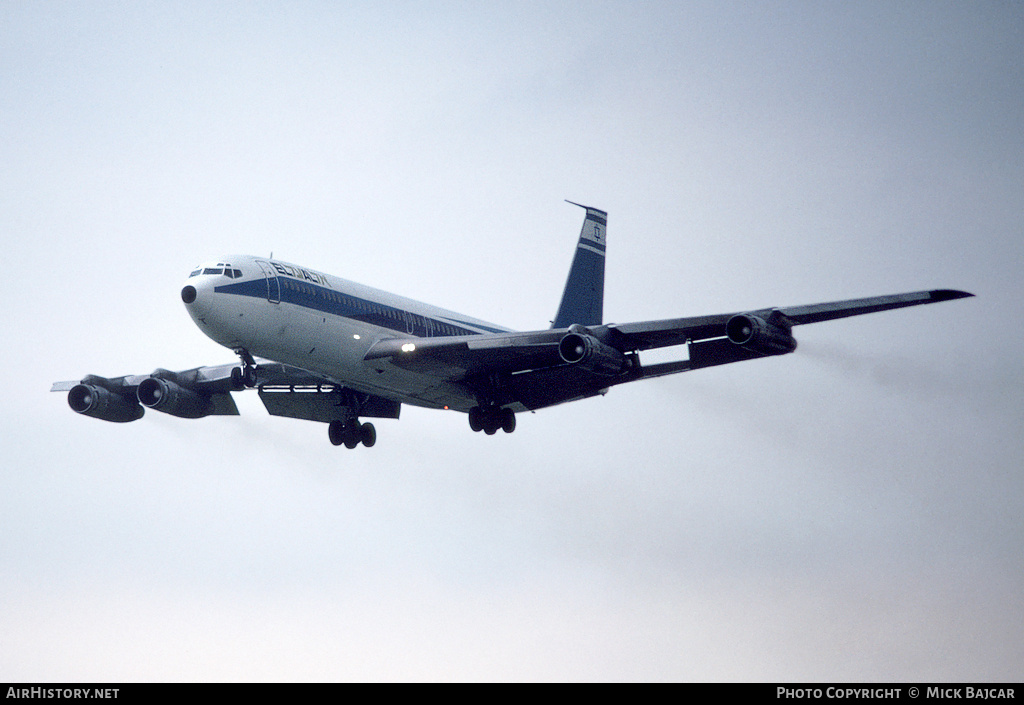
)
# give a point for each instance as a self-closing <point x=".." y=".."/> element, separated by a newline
<point x="197" y="294"/>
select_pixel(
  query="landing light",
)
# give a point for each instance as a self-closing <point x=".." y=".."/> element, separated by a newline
<point x="408" y="347"/>
<point x="356" y="336"/>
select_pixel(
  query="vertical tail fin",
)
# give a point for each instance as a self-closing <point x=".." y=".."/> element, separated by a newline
<point x="583" y="298"/>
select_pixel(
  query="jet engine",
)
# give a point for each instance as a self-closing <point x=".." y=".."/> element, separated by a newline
<point x="591" y="354"/>
<point x="101" y="403"/>
<point x="170" y="398"/>
<point x="759" y="336"/>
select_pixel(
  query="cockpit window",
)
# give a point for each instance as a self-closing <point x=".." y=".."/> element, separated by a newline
<point x="221" y="268"/>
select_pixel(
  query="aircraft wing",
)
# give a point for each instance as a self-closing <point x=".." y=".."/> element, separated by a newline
<point x="206" y="391"/>
<point x="202" y="391"/>
<point x="710" y="341"/>
<point x="646" y="335"/>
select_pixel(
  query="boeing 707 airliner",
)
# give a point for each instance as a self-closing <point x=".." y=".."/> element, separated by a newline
<point x="325" y="349"/>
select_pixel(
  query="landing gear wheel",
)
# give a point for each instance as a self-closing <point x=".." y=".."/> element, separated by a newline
<point x="246" y="374"/>
<point x="368" y="435"/>
<point x="508" y="420"/>
<point x="476" y="419"/>
<point x="351" y="438"/>
<point x="237" y="380"/>
<point x="336" y="432"/>
<point x="492" y="421"/>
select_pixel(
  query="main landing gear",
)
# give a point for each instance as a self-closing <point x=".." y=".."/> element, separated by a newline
<point x="490" y="419"/>
<point x="351" y="433"/>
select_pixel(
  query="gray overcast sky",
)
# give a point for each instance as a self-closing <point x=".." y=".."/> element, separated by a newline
<point x="849" y="512"/>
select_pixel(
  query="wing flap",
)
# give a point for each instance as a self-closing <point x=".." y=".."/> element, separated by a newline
<point x="646" y="335"/>
<point x="223" y="404"/>
<point x="721" y="351"/>
<point x="313" y="404"/>
<point x="456" y="358"/>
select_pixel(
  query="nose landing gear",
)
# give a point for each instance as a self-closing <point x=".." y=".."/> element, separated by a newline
<point x="244" y="376"/>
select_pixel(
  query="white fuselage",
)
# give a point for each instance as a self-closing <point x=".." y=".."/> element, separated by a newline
<point x="325" y="324"/>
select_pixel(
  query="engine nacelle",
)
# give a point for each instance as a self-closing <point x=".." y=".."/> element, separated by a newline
<point x="591" y="354"/>
<point x="170" y="398"/>
<point x="759" y="336"/>
<point x="100" y="403"/>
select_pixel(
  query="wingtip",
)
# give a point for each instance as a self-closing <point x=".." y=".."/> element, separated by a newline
<point x="948" y="295"/>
